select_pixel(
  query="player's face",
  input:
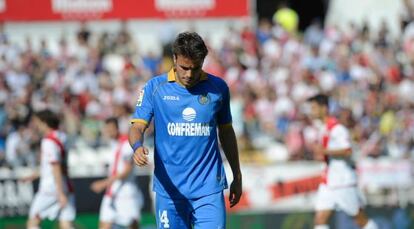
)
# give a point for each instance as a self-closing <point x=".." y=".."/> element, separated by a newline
<point x="188" y="72"/>
<point x="39" y="125"/>
<point x="110" y="130"/>
<point x="316" y="110"/>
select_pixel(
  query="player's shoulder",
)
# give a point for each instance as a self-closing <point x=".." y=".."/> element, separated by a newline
<point x="49" y="145"/>
<point x="58" y="137"/>
<point x="157" y="80"/>
<point x="340" y="128"/>
<point x="48" y="141"/>
<point x="217" y="81"/>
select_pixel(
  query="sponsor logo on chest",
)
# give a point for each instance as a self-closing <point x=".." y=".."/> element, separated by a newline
<point x="188" y="128"/>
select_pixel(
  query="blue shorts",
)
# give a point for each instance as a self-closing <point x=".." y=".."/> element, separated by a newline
<point x="203" y="213"/>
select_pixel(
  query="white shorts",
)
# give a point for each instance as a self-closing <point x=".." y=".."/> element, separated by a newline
<point x="348" y="199"/>
<point x="46" y="206"/>
<point x="122" y="211"/>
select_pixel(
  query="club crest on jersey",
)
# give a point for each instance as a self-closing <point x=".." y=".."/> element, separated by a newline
<point x="140" y="98"/>
<point x="204" y="99"/>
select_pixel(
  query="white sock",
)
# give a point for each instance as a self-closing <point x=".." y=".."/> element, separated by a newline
<point x="34" y="227"/>
<point x="323" y="226"/>
<point x="370" y="225"/>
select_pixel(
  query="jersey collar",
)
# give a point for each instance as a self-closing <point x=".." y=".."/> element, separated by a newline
<point x="171" y="76"/>
<point x="51" y="133"/>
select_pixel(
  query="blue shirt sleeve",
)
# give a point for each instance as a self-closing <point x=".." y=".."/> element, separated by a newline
<point x="224" y="113"/>
<point x="144" y="109"/>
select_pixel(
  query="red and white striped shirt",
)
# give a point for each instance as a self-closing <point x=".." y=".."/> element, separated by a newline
<point x="122" y="155"/>
<point x="53" y="151"/>
<point x="335" y="136"/>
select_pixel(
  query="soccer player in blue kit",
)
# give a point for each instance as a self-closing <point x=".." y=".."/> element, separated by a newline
<point x="188" y="106"/>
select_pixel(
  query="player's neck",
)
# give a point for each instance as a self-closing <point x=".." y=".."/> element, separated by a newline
<point x="49" y="131"/>
<point x="189" y="86"/>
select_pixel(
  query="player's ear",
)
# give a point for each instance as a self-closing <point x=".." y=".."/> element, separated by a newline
<point x="174" y="62"/>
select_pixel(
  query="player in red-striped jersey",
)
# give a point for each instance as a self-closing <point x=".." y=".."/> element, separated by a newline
<point x="54" y="199"/>
<point x="339" y="187"/>
<point x="122" y="202"/>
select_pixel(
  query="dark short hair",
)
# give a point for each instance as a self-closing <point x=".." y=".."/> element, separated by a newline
<point x="112" y="120"/>
<point x="190" y="45"/>
<point x="320" y="99"/>
<point x="49" y="117"/>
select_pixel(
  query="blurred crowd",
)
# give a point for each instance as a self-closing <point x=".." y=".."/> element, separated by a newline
<point x="271" y="72"/>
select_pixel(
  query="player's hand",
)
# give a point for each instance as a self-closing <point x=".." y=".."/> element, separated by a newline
<point x="99" y="186"/>
<point x="235" y="190"/>
<point x="63" y="200"/>
<point x="141" y="156"/>
<point x="27" y="179"/>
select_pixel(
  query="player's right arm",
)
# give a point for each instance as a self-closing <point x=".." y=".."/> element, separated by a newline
<point x="141" y="118"/>
<point x="136" y="134"/>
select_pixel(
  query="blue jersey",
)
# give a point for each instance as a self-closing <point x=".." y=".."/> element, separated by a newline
<point x="187" y="157"/>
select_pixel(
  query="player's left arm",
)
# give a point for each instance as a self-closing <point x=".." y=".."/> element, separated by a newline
<point x="339" y="152"/>
<point x="30" y="178"/>
<point x="58" y="176"/>
<point x="100" y="185"/>
<point x="229" y="144"/>
<point x="342" y="142"/>
<point x="54" y="157"/>
<point x="128" y="167"/>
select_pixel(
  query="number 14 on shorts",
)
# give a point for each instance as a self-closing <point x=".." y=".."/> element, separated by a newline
<point x="164" y="219"/>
